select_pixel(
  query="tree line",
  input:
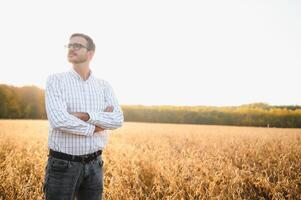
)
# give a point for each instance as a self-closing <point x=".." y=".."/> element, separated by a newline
<point x="28" y="102"/>
<point x="22" y="102"/>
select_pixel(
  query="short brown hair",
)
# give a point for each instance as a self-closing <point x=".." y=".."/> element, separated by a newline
<point x="90" y="43"/>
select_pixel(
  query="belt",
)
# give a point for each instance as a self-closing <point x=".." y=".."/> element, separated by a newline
<point x="82" y="158"/>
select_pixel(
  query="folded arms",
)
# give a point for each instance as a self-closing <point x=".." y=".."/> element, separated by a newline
<point x="80" y="123"/>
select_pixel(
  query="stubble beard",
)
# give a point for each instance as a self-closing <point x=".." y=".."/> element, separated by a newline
<point x="78" y="60"/>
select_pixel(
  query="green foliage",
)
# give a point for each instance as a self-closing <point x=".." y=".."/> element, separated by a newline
<point x="29" y="103"/>
<point x="21" y="103"/>
<point x="258" y="114"/>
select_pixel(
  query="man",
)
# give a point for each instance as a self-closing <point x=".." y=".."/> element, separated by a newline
<point x="80" y="109"/>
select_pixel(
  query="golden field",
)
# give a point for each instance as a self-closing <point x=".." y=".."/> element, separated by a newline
<point x="166" y="161"/>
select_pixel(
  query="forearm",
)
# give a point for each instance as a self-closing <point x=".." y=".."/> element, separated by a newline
<point x="85" y="117"/>
<point x="68" y="123"/>
<point x="106" y="120"/>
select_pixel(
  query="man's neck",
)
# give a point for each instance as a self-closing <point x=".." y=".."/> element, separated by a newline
<point x="82" y="70"/>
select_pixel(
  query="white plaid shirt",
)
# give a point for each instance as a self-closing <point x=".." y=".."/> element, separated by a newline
<point x="67" y="92"/>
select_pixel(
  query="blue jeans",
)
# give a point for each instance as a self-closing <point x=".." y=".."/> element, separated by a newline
<point x="68" y="180"/>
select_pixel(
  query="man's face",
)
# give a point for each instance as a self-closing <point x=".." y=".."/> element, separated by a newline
<point x="77" y="51"/>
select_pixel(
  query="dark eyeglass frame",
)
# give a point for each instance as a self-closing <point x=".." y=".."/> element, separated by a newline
<point x="76" y="46"/>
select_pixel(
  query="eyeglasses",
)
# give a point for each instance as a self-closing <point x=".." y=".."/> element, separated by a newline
<point x="76" y="46"/>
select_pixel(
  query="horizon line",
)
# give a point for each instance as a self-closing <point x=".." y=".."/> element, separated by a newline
<point x="172" y="105"/>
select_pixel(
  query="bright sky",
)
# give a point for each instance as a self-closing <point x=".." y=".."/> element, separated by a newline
<point x="162" y="52"/>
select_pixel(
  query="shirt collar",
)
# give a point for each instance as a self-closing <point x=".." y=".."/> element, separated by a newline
<point x="78" y="77"/>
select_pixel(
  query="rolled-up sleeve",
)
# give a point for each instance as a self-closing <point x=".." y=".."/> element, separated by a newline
<point x="108" y="120"/>
<point x="56" y="109"/>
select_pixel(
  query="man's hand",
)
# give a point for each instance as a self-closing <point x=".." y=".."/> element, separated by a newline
<point x="85" y="117"/>
<point x="109" y="109"/>
<point x="81" y="115"/>
<point x="98" y="129"/>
